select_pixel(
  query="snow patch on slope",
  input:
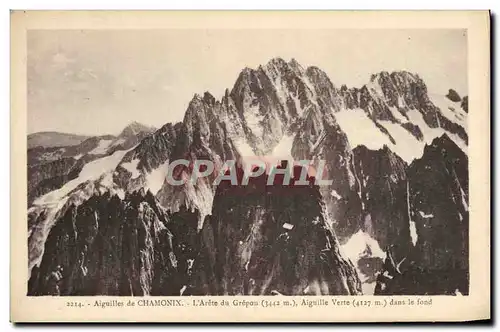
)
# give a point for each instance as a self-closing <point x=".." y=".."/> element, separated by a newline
<point x="102" y="147"/>
<point x="397" y="114"/>
<point x="244" y="149"/>
<point x="431" y="133"/>
<point x="426" y="216"/>
<point x="375" y="88"/>
<point x="156" y="178"/>
<point x="335" y="194"/>
<point x="360" y="129"/>
<point x="413" y="233"/>
<point x="96" y="175"/>
<point x="464" y="200"/>
<point x="413" y="229"/>
<point x="38" y="233"/>
<point x="407" y="146"/>
<point x="91" y="171"/>
<point x="254" y="119"/>
<point x="132" y="168"/>
<point x="360" y="244"/>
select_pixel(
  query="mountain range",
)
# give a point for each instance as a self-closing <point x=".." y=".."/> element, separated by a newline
<point x="102" y="220"/>
<point x="47" y="139"/>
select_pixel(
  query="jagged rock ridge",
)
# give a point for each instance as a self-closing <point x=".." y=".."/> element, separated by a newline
<point x="110" y="246"/>
<point x="264" y="240"/>
<point x="279" y="242"/>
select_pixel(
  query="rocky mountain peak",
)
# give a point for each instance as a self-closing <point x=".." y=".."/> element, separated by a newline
<point x="208" y="98"/>
<point x="444" y="145"/>
<point x="313" y="71"/>
<point x="276" y="62"/>
<point x="134" y="128"/>
<point x="453" y="96"/>
<point x="381" y="75"/>
<point x="396" y="81"/>
<point x="293" y="63"/>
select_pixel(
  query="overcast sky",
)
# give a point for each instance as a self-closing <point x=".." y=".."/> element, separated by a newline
<point x="96" y="82"/>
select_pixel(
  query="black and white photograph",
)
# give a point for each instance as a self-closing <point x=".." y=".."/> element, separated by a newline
<point x="250" y="166"/>
<point x="247" y="162"/>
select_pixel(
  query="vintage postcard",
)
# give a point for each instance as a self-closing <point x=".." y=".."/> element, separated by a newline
<point x="295" y="166"/>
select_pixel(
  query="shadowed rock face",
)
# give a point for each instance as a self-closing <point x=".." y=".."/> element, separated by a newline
<point x="439" y="200"/>
<point x="263" y="240"/>
<point x="382" y="185"/>
<point x="46" y="177"/>
<point x="453" y="96"/>
<point x="108" y="246"/>
<point x="260" y="240"/>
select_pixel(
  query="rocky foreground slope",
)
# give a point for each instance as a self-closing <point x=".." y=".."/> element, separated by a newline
<point x="134" y="247"/>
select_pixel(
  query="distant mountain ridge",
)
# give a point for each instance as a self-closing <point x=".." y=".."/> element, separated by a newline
<point x="50" y="167"/>
<point x="52" y="139"/>
<point x="48" y="139"/>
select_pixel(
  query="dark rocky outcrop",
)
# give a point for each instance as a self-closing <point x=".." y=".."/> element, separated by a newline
<point x="465" y="104"/>
<point x="453" y="96"/>
<point x="382" y="187"/>
<point x="109" y="246"/>
<point x="438" y="198"/>
<point x="43" y="178"/>
<point x="262" y="240"/>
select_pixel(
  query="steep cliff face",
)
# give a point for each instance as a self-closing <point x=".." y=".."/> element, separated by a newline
<point x="95" y="177"/>
<point x="262" y="115"/>
<point x="381" y="216"/>
<point x="109" y="246"/>
<point x="263" y="240"/>
<point x="437" y="263"/>
<point x="382" y="190"/>
<point x="202" y="137"/>
<point x="273" y="99"/>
